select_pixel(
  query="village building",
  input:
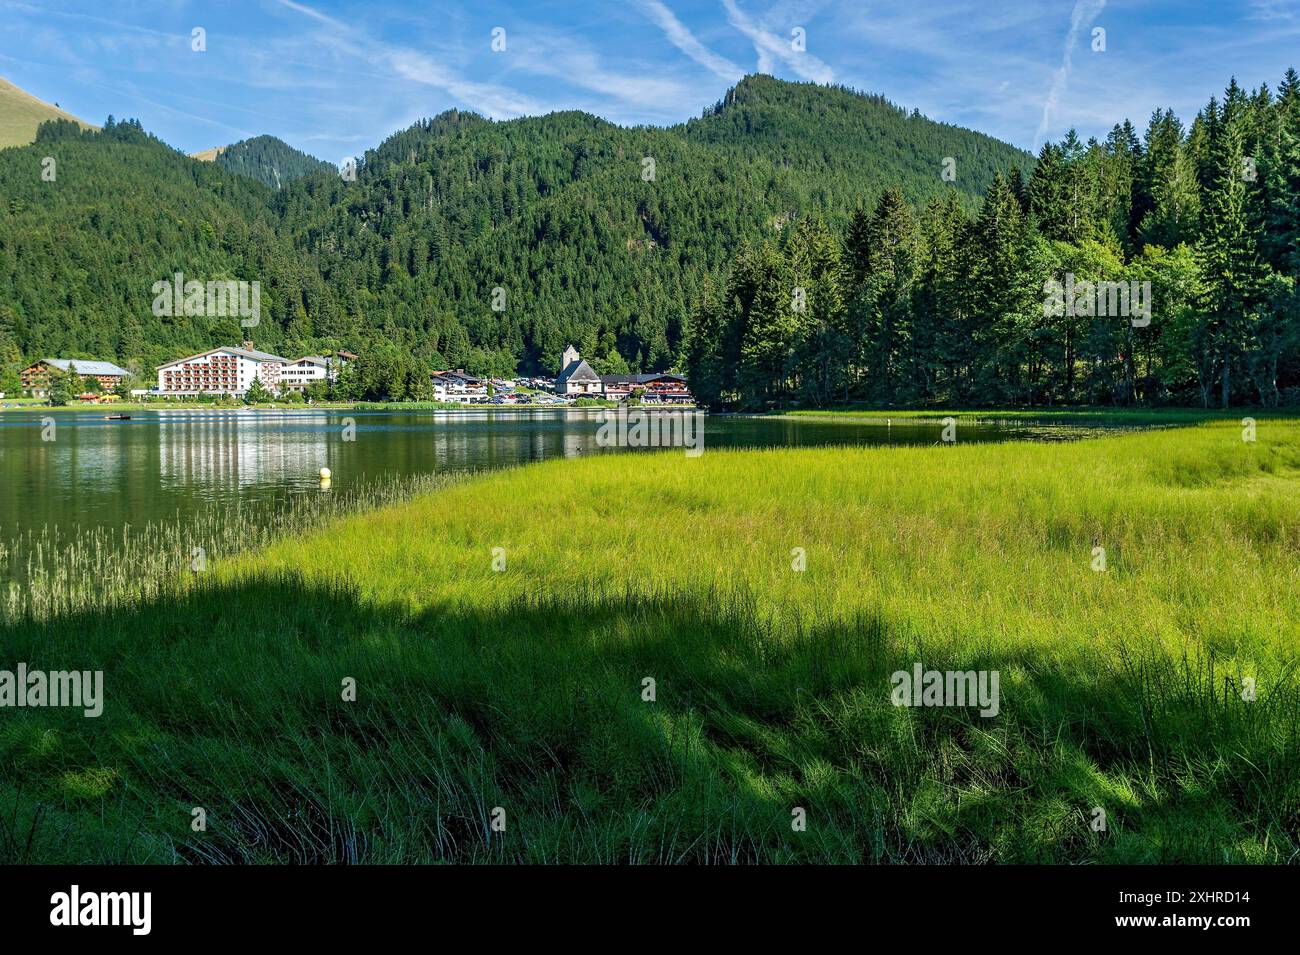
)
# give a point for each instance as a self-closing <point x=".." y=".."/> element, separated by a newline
<point x="297" y="375"/>
<point x="456" y="386"/>
<point x="659" y="388"/>
<point x="221" y="371"/>
<point x="576" y="376"/>
<point x="36" y="378"/>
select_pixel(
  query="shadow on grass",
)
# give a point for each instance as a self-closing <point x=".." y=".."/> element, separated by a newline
<point x="527" y="734"/>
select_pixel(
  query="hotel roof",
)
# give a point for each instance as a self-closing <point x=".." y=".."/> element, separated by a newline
<point x="230" y="349"/>
<point x="87" y="367"/>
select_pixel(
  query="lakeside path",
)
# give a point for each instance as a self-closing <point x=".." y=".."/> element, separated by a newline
<point x="501" y="633"/>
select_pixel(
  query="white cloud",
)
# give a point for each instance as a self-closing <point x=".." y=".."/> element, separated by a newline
<point x="771" y="47"/>
<point x="684" y="40"/>
<point x="1082" y="18"/>
<point x="571" y="61"/>
<point x="498" y="102"/>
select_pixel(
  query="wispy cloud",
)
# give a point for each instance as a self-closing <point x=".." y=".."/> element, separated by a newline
<point x="496" y="101"/>
<point x="686" y="41"/>
<point x="772" y="47"/>
<point x="327" y="72"/>
<point x="1274" y="9"/>
<point x="1082" y="18"/>
<point x="570" y="60"/>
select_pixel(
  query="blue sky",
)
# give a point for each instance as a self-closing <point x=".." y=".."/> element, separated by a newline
<point x="334" y="78"/>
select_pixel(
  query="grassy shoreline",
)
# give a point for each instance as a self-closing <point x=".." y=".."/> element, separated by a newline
<point x="1081" y="416"/>
<point x="522" y="687"/>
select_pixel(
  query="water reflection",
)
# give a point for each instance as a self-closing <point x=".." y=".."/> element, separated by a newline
<point x="159" y="464"/>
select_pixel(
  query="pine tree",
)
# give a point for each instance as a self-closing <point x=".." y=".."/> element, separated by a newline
<point x="1019" y="188"/>
<point x="1229" y="248"/>
<point x="710" y="369"/>
<point x="942" y="333"/>
<point x="1168" y="203"/>
<point x="1048" y="193"/>
<point x="257" y="392"/>
<point x="886" y="293"/>
<point x="813" y="259"/>
<point x="762" y="297"/>
<point x="1284" y="170"/>
<point x="1000" y="295"/>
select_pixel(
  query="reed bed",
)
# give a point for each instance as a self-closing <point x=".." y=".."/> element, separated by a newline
<point x="54" y="571"/>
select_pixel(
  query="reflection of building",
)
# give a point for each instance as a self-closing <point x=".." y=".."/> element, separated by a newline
<point x="242" y="450"/>
<point x="576" y="376"/>
<point x="36" y="378"/>
<point x="222" y="371"/>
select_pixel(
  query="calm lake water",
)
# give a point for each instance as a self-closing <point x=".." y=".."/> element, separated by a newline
<point x="96" y="472"/>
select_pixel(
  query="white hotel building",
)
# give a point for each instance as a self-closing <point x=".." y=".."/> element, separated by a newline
<point x="222" y="371"/>
<point x="308" y="370"/>
<point x="230" y="371"/>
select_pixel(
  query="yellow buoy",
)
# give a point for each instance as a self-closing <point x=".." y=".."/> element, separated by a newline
<point x="324" y="474"/>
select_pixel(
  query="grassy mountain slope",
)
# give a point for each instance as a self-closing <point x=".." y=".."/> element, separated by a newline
<point x="21" y="113"/>
<point x="209" y="155"/>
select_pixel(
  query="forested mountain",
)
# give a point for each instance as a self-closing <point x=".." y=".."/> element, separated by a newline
<point x="267" y="159"/>
<point x="1200" y="226"/>
<point x="794" y="243"/>
<point x="80" y="252"/>
<point x="595" y="234"/>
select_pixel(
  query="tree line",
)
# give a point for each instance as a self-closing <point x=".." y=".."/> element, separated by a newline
<point x="1159" y="269"/>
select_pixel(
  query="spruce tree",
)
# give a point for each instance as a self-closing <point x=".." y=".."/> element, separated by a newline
<point x="1229" y="249"/>
<point x="257" y="392"/>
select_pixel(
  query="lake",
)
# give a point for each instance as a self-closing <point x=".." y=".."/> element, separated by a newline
<point x="92" y="472"/>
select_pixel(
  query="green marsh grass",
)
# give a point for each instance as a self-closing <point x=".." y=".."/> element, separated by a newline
<point x="522" y="689"/>
<point x="62" y="570"/>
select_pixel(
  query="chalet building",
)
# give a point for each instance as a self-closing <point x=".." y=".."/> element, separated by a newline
<point x="458" y="386"/>
<point x="221" y="371"/>
<point x="36" y="378"/>
<point x="576" y="376"/>
<point x="659" y="388"/>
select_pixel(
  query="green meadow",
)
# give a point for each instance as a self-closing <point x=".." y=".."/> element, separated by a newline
<point x="502" y="632"/>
